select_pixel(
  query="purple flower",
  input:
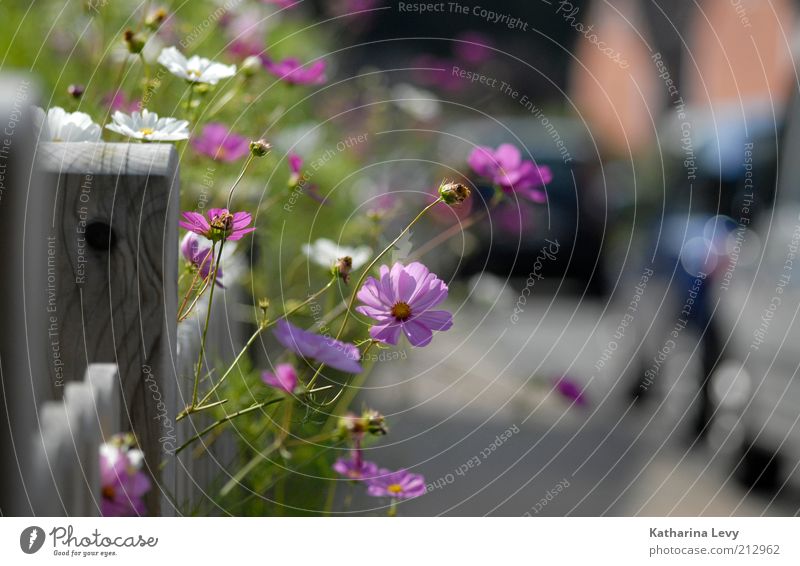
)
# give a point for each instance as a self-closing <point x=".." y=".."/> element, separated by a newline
<point x="292" y="71"/>
<point x="221" y="224"/>
<point x="284" y="378"/>
<point x="506" y="168"/>
<point x="402" y="300"/>
<point x="199" y="255"/>
<point x="401" y="484"/>
<point x="571" y="390"/>
<point x="333" y="353"/>
<point x="356" y="469"/>
<point x="473" y="47"/>
<point x="122" y="481"/>
<point x="218" y="143"/>
<point x="117" y="101"/>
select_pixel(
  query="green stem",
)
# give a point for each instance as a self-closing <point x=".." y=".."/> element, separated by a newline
<point x="222" y="421"/>
<point x="239" y="178"/>
<point x="261" y="328"/>
<point x="205" y="327"/>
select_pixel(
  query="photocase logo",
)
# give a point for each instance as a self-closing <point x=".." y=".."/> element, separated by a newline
<point x="31" y="540"/>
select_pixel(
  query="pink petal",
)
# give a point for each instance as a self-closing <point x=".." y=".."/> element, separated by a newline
<point x="388" y="333"/>
<point x="435" y="320"/>
<point x="508" y="157"/>
<point x="418" y="334"/>
<point x="482" y="161"/>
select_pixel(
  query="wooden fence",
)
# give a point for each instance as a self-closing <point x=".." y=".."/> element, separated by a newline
<point x="90" y="345"/>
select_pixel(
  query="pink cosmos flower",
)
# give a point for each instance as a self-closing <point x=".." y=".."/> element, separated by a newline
<point x="284" y="378"/>
<point x="333" y="353"/>
<point x="474" y="47"/>
<point x="122" y="481"/>
<point x="571" y="390"/>
<point x="118" y="101"/>
<point x="221" y="144"/>
<point x="506" y="168"/>
<point x="221" y="224"/>
<point x="356" y="469"/>
<point x="402" y="299"/>
<point x="282" y="3"/>
<point x="292" y="71"/>
<point x="401" y="484"/>
<point x="199" y="255"/>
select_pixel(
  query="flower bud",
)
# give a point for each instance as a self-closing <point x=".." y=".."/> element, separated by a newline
<point x="453" y="193"/>
<point x="76" y="91"/>
<point x="134" y="41"/>
<point x="251" y="65"/>
<point x="355" y="427"/>
<point x="260" y="148"/>
<point x="155" y="19"/>
<point x="263" y="305"/>
<point x="343" y="267"/>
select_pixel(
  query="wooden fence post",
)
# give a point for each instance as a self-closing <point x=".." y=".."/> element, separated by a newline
<point x="115" y="238"/>
<point x="23" y="285"/>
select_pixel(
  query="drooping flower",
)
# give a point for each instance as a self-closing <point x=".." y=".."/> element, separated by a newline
<point x="284" y="378"/>
<point x="505" y="167"/>
<point x="333" y="353"/>
<point x="220" y="225"/>
<point x="291" y="70"/>
<point x="570" y="390"/>
<point x="198" y="253"/>
<point x="147" y="126"/>
<point x="221" y="144"/>
<point x="194" y="69"/>
<point x="355" y="468"/>
<point x="402" y="299"/>
<point x="401" y="484"/>
<point x="326" y="253"/>
<point x="122" y="481"/>
<point x="61" y="126"/>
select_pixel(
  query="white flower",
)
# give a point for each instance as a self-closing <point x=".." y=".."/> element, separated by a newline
<point x="149" y="127"/>
<point x="60" y="126"/>
<point x="195" y="69"/>
<point x="326" y="252"/>
<point x="420" y="104"/>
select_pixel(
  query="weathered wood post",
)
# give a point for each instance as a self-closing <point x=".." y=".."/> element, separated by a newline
<point x="23" y="334"/>
<point x="113" y="229"/>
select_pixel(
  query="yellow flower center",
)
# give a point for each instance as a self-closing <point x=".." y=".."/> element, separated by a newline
<point x="146" y="131"/>
<point x="401" y="311"/>
<point x="108" y="492"/>
<point x="193" y="73"/>
<point x="395" y="488"/>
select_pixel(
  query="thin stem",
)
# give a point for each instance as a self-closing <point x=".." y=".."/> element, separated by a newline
<point x="183" y="316"/>
<point x="376" y="260"/>
<point x="222" y="421"/>
<point x="146" y="70"/>
<point x="205" y="327"/>
<point x="239" y="178"/>
<point x="261" y="328"/>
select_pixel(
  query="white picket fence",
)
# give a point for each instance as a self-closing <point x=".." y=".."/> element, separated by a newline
<point x="90" y="345"/>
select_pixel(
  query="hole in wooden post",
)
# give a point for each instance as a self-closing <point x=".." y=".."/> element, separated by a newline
<point x="100" y="236"/>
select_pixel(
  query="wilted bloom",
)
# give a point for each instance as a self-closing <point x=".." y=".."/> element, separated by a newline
<point x="506" y="168"/>
<point x="327" y="253"/>
<point x="260" y="148"/>
<point x="198" y="254"/>
<point x="194" y="69"/>
<point x="122" y="481"/>
<point x="295" y="167"/>
<point x="292" y="71"/>
<point x="333" y="353"/>
<point x="220" y="225"/>
<point x="134" y="41"/>
<point x="453" y="193"/>
<point x="570" y="389"/>
<point x="354" y="426"/>
<point x="147" y="126"/>
<point x="284" y="378"/>
<point x="401" y="484"/>
<point x="221" y="144"/>
<point x="355" y="468"/>
<point x="402" y="299"/>
<point x="59" y="125"/>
